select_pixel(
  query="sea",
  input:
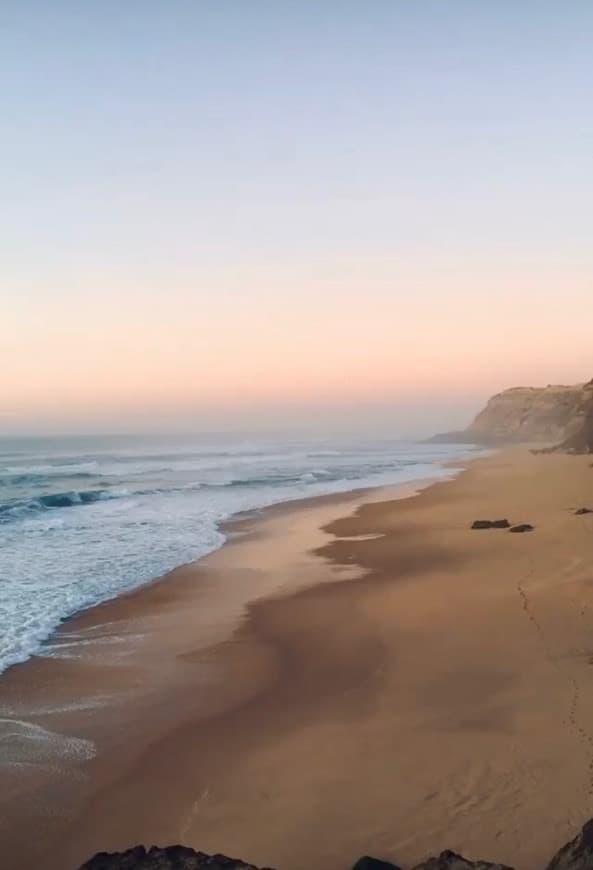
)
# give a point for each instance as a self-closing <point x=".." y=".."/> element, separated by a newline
<point x="84" y="519"/>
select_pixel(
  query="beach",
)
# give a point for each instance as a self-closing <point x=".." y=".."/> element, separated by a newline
<point x="359" y="673"/>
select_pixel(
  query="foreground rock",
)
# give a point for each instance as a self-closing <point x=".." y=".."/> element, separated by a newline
<point x="576" y="855"/>
<point x="453" y="861"/>
<point x="169" y="858"/>
<point x="368" y="863"/>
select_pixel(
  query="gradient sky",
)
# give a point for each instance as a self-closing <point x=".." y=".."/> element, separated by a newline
<point x="222" y="213"/>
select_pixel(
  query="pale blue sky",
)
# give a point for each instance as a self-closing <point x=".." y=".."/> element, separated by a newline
<point x="200" y="168"/>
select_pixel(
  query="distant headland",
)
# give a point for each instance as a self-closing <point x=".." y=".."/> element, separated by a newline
<point x="553" y="415"/>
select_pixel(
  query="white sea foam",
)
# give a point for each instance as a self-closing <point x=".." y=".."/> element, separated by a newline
<point x="26" y="743"/>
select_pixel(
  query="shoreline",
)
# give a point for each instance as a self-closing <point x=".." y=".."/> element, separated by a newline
<point x="236" y="528"/>
<point x="71" y="544"/>
<point x="232" y="526"/>
<point x="59" y="698"/>
<point x="346" y="696"/>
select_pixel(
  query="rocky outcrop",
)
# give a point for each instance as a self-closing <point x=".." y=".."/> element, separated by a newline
<point x="576" y="855"/>
<point x="367" y="863"/>
<point x="452" y="861"/>
<point x="169" y="858"/>
<point x="549" y="414"/>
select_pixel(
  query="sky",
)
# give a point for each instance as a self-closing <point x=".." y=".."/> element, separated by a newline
<point x="274" y="213"/>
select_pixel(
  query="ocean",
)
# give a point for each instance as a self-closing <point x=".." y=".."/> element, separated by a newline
<point x="83" y="519"/>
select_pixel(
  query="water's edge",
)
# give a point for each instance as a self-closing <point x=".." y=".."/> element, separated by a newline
<point x="233" y="527"/>
<point x="82" y="555"/>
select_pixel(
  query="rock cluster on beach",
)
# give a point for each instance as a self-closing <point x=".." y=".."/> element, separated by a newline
<point x="576" y="855"/>
<point x="501" y="524"/>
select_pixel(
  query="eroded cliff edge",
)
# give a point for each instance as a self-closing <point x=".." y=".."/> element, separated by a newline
<point x="546" y="415"/>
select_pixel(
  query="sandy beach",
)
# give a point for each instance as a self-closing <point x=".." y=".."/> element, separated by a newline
<point x="354" y="674"/>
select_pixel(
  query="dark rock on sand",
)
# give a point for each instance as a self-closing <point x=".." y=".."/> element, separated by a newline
<point x="576" y="855"/>
<point x="490" y="524"/>
<point x="581" y="511"/>
<point x="169" y="858"/>
<point x="367" y="863"/>
<point x="452" y="861"/>
<point x="522" y="527"/>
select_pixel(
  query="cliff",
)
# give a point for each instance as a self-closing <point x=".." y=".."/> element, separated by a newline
<point x="576" y="855"/>
<point x="581" y="441"/>
<point x="549" y="415"/>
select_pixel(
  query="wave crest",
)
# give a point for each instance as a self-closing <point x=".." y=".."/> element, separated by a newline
<point x="74" y="498"/>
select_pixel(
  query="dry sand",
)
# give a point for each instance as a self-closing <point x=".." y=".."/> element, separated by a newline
<point x="410" y="686"/>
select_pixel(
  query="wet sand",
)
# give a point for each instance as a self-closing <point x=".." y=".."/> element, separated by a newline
<point x="395" y="684"/>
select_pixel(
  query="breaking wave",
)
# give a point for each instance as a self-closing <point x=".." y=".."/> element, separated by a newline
<point x="17" y="508"/>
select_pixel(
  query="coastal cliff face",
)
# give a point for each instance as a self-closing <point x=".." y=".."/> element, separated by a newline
<point x="549" y="415"/>
<point x="581" y="441"/>
<point x="576" y="855"/>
